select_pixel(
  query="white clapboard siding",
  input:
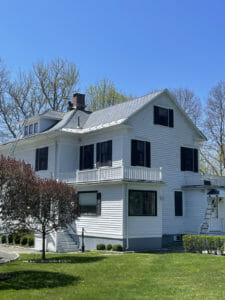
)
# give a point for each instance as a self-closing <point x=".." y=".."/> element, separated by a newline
<point x="109" y="223"/>
<point x="165" y="153"/>
<point x="147" y="226"/>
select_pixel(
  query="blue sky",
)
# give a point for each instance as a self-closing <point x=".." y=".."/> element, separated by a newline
<point x="140" y="45"/>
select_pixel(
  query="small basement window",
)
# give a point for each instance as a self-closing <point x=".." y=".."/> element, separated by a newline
<point x="90" y="203"/>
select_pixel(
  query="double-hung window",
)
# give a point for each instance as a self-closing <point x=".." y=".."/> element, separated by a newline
<point x="140" y="153"/>
<point x="87" y="157"/>
<point x="189" y="159"/>
<point x="104" y="154"/>
<point x="90" y="203"/>
<point x="163" y="116"/>
<point x="142" y="203"/>
<point x="41" y="161"/>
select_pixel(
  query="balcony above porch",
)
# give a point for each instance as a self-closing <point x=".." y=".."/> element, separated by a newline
<point x="109" y="174"/>
<point x="204" y="180"/>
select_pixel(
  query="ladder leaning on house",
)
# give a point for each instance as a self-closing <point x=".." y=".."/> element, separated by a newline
<point x="20" y="133"/>
<point x="211" y="206"/>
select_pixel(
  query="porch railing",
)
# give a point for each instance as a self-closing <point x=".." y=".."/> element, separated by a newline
<point x="120" y="173"/>
<point x="109" y="174"/>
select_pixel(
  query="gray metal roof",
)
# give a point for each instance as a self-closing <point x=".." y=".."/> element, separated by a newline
<point x="107" y="117"/>
<point x="52" y="114"/>
<point x="118" y="112"/>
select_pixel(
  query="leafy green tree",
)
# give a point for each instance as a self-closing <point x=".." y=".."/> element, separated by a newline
<point x="103" y="94"/>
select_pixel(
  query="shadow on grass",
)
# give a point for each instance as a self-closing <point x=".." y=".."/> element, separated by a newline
<point x="36" y="280"/>
<point x="163" y="251"/>
<point x="77" y="259"/>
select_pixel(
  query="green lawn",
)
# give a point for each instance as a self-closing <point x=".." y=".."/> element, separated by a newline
<point x="126" y="276"/>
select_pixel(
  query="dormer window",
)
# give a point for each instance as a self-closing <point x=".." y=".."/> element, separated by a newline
<point x="31" y="127"/>
<point x="35" y="127"/>
<point x="26" y="131"/>
<point x="163" y="116"/>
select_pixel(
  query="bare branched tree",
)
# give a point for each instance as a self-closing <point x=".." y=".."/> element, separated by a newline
<point x="56" y="81"/>
<point x="190" y="103"/>
<point x="4" y="81"/>
<point x="46" y="86"/>
<point x="214" y="127"/>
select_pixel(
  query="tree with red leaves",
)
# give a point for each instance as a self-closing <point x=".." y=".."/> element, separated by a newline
<point x="28" y="202"/>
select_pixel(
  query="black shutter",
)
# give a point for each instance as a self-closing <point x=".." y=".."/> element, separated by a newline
<point x="156" y="115"/>
<point x="171" y="118"/>
<point x="148" y="154"/>
<point x="178" y="204"/>
<point x="45" y="158"/>
<point x="81" y="157"/>
<point x="91" y="153"/>
<point x="109" y="149"/>
<point x="133" y="152"/>
<point x="37" y="160"/>
<point x="98" y="206"/>
<point x="182" y="158"/>
<point x="98" y="155"/>
<point x="196" y="160"/>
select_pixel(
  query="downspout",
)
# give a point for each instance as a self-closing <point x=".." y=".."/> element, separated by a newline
<point x="56" y="160"/>
<point x="126" y="216"/>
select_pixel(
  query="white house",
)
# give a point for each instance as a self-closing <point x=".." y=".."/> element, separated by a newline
<point x="135" y="166"/>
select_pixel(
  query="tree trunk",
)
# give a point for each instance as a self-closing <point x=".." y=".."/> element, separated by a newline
<point x="43" y="242"/>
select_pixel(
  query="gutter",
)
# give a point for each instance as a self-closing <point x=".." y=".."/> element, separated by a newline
<point x="126" y="210"/>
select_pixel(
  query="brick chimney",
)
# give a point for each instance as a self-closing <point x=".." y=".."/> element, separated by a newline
<point x="79" y="101"/>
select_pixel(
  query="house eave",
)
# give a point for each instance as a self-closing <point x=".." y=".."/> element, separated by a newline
<point x="202" y="187"/>
<point x="29" y="139"/>
<point x="107" y="182"/>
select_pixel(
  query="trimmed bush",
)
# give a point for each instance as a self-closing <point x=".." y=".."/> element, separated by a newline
<point x="3" y="239"/>
<point x="100" y="247"/>
<point x="109" y="247"/>
<point x="17" y="239"/>
<point x="31" y="242"/>
<point x="10" y="239"/>
<point x="24" y="241"/>
<point x="198" y="243"/>
<point x="117" y="247"/>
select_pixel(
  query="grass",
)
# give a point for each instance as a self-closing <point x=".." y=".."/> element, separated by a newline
<point x="126" y="276"/>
